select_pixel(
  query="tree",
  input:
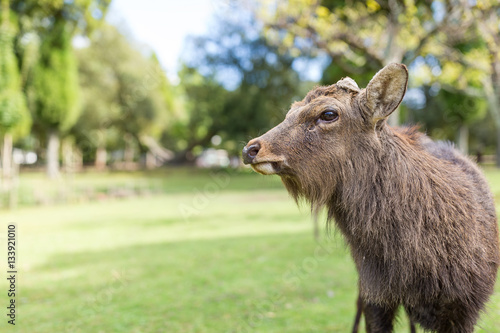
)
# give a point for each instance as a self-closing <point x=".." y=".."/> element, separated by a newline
<point x="470" y="63"/>
<point x="236" y="84"/>
<point x="205" y="101"/>
<point x="13" y="111"/>
<point x="97" y="65"/>
<point x="55" y="82"/>
<point x="363" y="36"/>
<point x="445" y="110"/>
<point x="486" y="16"/>
<point x="53" y="86"/>
<point x="126" y="96"/>
<point x="12" y="103"/>
<point x="143" y="105"/>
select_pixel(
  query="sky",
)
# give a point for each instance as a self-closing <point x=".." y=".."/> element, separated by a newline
<point x="164" y="24"/>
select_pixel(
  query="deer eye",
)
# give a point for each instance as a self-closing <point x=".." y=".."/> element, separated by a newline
<point x="329" y="116"/>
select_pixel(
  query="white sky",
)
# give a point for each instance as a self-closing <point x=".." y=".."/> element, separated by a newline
<point x="163" y="24"/>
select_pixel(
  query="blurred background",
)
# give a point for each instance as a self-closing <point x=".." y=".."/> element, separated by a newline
<point x="121" y="125"/>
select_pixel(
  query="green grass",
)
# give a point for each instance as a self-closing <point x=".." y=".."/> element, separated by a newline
<point x="207" y="255"/>
<point x="36" y="189"/>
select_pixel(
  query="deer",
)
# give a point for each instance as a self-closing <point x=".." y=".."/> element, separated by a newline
<point x="417" y="216"/>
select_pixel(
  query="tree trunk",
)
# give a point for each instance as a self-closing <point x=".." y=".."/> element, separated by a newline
<point x="494" y="109"/>
<point x="13" y="193"/>
<point x="78" y="159"/>
<point x="6" y="190"/>
<point x="463" y="139"/>
<point x="128" y="154"/>
<point x="101" y="156"/>
<point x="128" y="158"/>
<point x="186" y="156"/>
<point x="7" y="159"/>
<point x="53" y="155"/>
<point x="9" y="172"/>
<point x="393" y="119"/>
<point x="150" y="160"/>
<point x="183" y="157"/>
<point x="497" y="160"/>
<point x="68" y="156"/>
<point x="393" y="52"/>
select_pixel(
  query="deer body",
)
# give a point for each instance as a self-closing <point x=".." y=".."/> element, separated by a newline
<point x="422" y="244"/>
<point x="418" y="217"/>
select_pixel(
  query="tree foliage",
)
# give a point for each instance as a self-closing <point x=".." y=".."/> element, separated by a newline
<point x="125" y="93"/>
<point x="239" y="79"/>
<point x="362" y="37"/>
<point x="237" y="85"/>
<point x="55" y="82"/>
<point x="48" y="64"/>
<point x="486" y="15"/>
<point x="13" y="110"/>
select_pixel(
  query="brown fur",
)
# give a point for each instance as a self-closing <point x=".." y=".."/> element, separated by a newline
<point x="418" y="216"/>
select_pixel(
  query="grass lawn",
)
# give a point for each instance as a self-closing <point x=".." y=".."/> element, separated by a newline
<point x="212" y="253"/>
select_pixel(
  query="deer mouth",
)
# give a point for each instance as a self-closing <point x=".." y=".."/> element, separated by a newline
<point x="267" y="168"/>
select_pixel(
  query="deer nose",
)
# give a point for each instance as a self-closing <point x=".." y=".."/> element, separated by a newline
<point x="249" y="152"/>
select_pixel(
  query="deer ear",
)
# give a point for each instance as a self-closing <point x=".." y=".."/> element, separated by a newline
<point x="386" y="89"/>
